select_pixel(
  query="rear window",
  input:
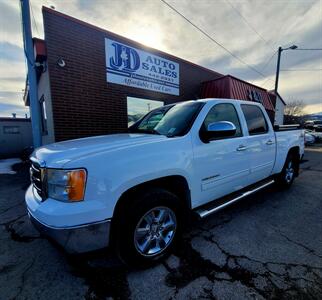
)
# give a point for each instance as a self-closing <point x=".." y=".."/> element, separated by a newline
<point x="255" y="119"/>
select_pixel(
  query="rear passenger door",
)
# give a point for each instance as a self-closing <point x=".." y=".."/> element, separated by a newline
<point x="261" y="142"/>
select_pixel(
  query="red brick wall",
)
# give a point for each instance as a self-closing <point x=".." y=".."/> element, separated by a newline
<point x="83" y="103"/>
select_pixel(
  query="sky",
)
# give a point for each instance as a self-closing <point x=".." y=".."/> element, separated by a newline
<point x="252" y="30"/>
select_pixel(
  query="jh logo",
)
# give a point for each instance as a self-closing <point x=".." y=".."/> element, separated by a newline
<point x="125" y="58"/>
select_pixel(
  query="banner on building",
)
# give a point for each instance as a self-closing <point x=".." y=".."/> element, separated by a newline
<point x="133" y="67"/>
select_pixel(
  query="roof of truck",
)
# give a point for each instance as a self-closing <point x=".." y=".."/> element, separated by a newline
<point x="214" y="100"/>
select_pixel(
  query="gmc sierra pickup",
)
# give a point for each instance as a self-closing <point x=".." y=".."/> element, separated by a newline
<point x="135" y="190"/>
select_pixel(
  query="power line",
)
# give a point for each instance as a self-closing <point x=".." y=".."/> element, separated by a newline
<point x="309" y="49"/>
<point x="266" y="64"/>
<point x="249" y="25"/>
<point x="270" y="59"/>
<point x="212" y="39"/>
<point x="265" y="81"/>
<point x="300" y="70"/>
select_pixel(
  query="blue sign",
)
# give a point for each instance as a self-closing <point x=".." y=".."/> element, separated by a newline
<point x="133" y="67"/>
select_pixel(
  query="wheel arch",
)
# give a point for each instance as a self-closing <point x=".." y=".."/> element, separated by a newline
<point x="176" y="184"/>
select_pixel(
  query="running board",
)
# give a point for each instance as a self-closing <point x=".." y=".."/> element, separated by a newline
<point x="204" y="212"/>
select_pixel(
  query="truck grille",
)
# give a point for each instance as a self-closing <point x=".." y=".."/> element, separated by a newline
<point x="35" y="177"/>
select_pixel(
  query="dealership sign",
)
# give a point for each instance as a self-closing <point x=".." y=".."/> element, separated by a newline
<point x="133" y="67"/>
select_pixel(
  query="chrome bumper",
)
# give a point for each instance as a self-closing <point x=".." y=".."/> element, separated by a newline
<point x="77" y="239"/>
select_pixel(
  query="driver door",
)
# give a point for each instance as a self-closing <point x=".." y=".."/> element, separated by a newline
<point x="221" y="165"/>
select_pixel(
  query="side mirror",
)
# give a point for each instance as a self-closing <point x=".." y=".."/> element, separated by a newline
<point x="217" y="130"/>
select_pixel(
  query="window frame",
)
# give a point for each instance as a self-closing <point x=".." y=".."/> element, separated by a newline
<point x="43" y="116"/>
<point x="222" y="138"/>
<point x="257" y="133"/>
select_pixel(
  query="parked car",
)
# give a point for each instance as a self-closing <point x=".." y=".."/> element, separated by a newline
<point x="317" y="135"/>
<point x="309" y="138"/>
<point x="315" y="125"/>
<point x="136" y="190"/>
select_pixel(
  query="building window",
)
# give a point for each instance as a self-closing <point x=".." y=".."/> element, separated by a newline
<point x="43" y="116"/>
<point x="138" y="107"/>
<point x="11" y="129"/>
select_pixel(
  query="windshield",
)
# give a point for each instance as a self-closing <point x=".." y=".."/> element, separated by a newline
<point x="173" y="120"/>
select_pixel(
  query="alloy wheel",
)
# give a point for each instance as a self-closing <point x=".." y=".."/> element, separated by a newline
<point x="289" y="172"/>
<point x="155" y="231"/>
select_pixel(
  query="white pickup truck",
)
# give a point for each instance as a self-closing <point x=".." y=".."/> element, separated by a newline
<point x="135" y="190"/>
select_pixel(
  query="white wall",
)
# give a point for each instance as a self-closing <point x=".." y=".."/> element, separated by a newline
<point x="279" y="112"/>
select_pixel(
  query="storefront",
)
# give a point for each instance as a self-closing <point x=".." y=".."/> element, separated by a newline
<point x="94" y="82"/>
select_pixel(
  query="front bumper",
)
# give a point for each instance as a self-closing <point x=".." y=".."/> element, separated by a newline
<point x="77" y="239"/>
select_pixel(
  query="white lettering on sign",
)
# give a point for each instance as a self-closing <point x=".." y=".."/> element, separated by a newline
<point x="133" y="67"/>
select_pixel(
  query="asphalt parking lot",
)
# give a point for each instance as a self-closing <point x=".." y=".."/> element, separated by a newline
<point x="266" y="246"/>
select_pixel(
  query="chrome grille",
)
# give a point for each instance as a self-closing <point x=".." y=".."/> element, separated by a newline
<point x="35" y="177"/>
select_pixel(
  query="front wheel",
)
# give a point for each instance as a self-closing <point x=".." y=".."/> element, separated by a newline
<point x="148" y="228"/>
<point x="155" y="231"/>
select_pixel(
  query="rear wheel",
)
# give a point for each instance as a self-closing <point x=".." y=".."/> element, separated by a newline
<point x="148" y="227"/>
<point x="288" y="174"/>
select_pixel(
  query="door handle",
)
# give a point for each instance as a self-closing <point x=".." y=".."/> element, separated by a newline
<point x="269" y="142"/>
<point x="241" y="148"/>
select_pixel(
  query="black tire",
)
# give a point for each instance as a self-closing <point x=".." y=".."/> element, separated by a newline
<point x="289" y="172"/>
<point x="132" y="222"/>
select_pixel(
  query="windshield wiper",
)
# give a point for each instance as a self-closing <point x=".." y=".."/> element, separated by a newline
<point x="170" y="135"/>
<point x="152" y="131"/>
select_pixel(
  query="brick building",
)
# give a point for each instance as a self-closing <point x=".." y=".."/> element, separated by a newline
<point x="93" y="82"/>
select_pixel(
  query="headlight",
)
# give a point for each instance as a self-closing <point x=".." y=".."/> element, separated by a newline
<point x="66" y="185"/>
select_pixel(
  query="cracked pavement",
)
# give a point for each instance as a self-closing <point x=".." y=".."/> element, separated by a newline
<point x="268" y="246"/>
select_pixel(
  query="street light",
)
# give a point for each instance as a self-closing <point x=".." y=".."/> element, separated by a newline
<point x="280" y="49"/>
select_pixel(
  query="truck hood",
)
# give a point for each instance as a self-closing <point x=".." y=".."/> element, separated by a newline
<point x="58" y="154"/>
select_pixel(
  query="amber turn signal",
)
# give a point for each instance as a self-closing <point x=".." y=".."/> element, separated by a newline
<point x="76" y="185"/>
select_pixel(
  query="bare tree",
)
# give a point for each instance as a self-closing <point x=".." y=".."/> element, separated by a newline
<point x="293" y="112"/>
<point x="294" y="108"/>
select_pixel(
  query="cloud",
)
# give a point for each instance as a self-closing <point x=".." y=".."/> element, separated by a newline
<point x="280" y="23"/>
<point x="10" y="51"/>
<point x="313" y="108"/>
<point x="6" y="110"/>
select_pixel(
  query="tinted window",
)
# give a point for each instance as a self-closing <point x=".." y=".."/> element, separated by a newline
<point x="223" y="112"/>
<point x="255" y="119"/>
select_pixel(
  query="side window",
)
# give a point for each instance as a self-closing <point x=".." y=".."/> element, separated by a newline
<point x="224" y="112"/>
<point x="255" y="119"/>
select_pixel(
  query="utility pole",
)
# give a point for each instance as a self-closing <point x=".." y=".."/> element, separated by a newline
<point x="32" y="77"/>
<point x="280" y="49"/>
<point x="278" y="68"/>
